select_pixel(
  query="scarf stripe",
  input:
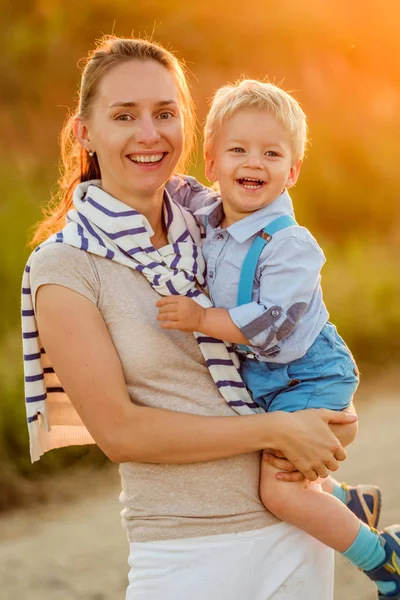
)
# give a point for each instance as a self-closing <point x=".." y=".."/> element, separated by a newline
<point x="101" y="225"/>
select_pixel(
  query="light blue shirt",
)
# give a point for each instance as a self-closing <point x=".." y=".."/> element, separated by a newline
<point x="287" y="311"/>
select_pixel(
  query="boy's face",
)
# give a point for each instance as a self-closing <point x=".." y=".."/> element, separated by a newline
<point x="252" y="162"/>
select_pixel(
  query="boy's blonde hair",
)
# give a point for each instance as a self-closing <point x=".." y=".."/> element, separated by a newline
<point x="250" y="93"/>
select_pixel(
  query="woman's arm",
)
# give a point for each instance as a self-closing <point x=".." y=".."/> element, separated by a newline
<point x="82" y="353"/>
<point x="346" y="434"/>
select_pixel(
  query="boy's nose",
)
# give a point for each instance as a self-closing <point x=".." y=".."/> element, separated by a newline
<point x="254" y="161"/>
<point x="147" y="132"/>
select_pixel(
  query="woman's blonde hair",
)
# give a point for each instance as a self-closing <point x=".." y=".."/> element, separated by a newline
<point x="250" y="93"/>
<point x="76" y="164"/>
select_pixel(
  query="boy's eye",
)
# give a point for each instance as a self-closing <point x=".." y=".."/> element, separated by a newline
<point x="271" y="153"/>
<point x="238" y="150"/>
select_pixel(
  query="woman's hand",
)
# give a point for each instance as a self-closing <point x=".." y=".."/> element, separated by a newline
<point x="346" y="434"/>
<point x="307" y="442"/>
<point x="287" y="471"/>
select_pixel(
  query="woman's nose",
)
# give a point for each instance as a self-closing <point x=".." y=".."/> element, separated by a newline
<point x="147" y="132"/>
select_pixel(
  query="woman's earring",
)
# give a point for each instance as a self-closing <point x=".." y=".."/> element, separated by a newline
<point x="91" y="153"/>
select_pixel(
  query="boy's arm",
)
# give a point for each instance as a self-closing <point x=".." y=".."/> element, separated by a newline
<point x="288" y="277"/>
<point x="184" y="314"/>
<point x="190" y="193"/>
<point x="289" y="273"/>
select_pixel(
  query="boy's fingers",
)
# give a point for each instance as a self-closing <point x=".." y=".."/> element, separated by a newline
<point x="172" y="308"/>
<point x="167" y="300"/>
<point x="167" y="316"/>
<point x="168" y="325"/>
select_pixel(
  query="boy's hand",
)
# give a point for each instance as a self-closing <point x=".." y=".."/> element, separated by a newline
<point x="180" y="312"/>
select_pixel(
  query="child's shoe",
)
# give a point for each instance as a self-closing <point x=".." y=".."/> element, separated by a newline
<point x="387" y="575"/>
<point x="365" y="502"/>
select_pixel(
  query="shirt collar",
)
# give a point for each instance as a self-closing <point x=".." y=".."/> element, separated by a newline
<point x="245" y="228"/>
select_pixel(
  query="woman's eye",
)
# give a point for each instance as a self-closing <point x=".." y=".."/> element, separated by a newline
<point x="124" y="118"/>
<point x="165" y="115"/>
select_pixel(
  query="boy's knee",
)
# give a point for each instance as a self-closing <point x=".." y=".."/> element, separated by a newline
<point x="278" y="496"/>
<point x="275" y="494"/>
<point x="275" y="502"/>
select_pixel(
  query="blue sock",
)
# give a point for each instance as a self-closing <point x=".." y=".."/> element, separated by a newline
<point x="339" y="492"/>
<point x="366" y="551"/>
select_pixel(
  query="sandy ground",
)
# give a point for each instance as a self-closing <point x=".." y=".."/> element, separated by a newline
<point x="78" y="550"/>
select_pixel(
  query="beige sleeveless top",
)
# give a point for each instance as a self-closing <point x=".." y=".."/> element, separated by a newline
<point x="164" y="369"/>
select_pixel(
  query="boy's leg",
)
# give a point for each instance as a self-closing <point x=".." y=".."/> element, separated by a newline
<point x="304" y="505"/>
<point x="327" y="377"/>
<point x="365" y="501"/>
<point x="327" y="519"/>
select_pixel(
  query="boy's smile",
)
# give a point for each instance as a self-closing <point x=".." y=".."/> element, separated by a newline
<point x="252" y="162"/>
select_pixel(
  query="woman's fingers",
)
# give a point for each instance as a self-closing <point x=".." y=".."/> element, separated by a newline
<point x="276" y="453"/>
<point x="338" y="417"/>
<point x="310" y="445"/>
<point x="332" y="464"/>
<point x="322" y="471"/>
<point x="311" y="475"/>
<point x="286" y="467"/>
<point x="289" y="477"/>
<point x="340" y="454"/>
<point x="280" y="463"/>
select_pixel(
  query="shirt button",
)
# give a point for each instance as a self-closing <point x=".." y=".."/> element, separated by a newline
<point x="275" y="313"/>
<point x="219" y="236"/>
<point x="211" y="274"/>
<point x="293" y="382"/>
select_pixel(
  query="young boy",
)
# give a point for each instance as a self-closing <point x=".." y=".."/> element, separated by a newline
<point x="263" y="274"/>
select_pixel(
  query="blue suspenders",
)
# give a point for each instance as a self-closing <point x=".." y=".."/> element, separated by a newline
<point x="249" y="266"/>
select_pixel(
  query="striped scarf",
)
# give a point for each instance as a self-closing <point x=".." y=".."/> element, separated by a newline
<point x="104" y="226"/>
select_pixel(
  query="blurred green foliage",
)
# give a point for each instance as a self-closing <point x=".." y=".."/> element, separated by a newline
<point x="341" y="61"/>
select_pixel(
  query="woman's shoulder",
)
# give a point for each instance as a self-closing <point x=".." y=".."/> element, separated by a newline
<point x="55" y="253"/>
<point x="62" y="264"/>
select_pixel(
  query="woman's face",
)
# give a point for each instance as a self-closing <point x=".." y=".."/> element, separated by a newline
<point x="135" y="128"/>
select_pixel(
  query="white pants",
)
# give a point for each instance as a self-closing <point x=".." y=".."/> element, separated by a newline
<point x="275" y="563"/>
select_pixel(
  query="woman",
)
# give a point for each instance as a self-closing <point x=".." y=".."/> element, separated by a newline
<point x="189" y="472"/>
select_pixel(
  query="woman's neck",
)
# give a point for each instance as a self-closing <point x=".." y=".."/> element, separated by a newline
<point x="151" y="207"/>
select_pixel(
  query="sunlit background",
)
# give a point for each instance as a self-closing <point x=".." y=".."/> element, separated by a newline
<point x="341" y="60"/>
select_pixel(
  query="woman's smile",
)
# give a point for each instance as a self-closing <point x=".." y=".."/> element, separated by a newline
<point x="136" y="131"/>
<point x="147" y="162"/>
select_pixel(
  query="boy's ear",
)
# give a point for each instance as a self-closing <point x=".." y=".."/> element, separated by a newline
<point x="293" y="174"/>
<point x="211" y="172"/>
<point x="82" y="134"/>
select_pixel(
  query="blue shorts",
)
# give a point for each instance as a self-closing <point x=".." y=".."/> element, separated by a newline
<point x="325" y="377"/>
